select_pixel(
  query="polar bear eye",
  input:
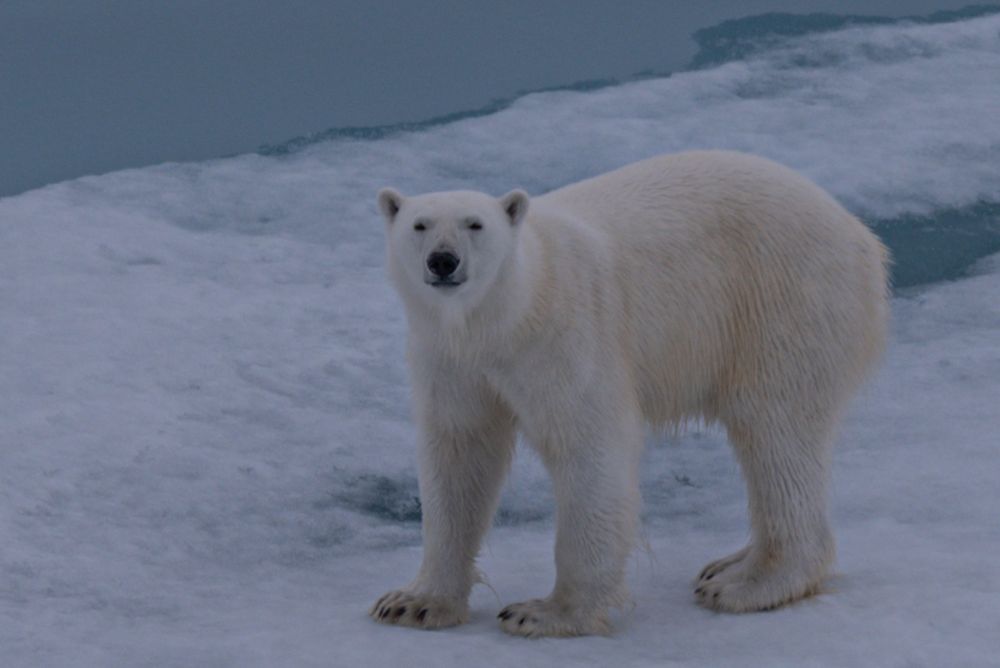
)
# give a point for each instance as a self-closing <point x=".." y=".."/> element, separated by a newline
<point x="474" y="224"/>
<point x="419" y="227"/>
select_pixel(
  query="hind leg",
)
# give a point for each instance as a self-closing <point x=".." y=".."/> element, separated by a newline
<point x="786" y="467"/>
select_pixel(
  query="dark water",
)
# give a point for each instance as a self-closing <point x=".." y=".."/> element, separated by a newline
<point x="89" y="86"/>
<point x="939" y="246"/>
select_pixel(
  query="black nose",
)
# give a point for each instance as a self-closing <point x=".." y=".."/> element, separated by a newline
<point x="442" y="264"/>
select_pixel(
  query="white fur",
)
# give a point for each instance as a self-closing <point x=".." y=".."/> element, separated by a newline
<point x="706" y="285"/>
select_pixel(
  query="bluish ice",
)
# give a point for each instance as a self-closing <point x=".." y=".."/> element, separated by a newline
<point x="206" y="456"/>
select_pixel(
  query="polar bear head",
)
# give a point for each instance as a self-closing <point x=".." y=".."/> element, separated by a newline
<point x="450" y="247"/>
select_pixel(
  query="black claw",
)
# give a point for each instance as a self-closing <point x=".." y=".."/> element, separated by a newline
<point x="399" y="612"/>
<point x="383" y="612"/>
<point x="520" y="622"/>
<point x="421" y="614"/>
<point x="709" y="577"/>
<point x="505" y="615"/>
<point x="699" y="591"/>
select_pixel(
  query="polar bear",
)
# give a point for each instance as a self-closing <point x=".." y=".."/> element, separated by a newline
<point x="705" y="285"/>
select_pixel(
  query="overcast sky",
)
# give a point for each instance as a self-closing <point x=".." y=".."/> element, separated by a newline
<point x="88" y="86"/>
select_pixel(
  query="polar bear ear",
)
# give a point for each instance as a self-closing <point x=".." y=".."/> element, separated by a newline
<point x="515" y="205"/>
<point x="389" y="203"/>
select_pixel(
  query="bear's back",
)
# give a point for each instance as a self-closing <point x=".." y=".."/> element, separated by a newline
<point x="721" y="261"/>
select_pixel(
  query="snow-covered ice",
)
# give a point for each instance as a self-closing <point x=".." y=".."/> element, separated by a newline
<point x="205" y="448"/>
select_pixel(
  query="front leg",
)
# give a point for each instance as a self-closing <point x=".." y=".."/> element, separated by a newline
<point x="467" y="441"/>
<point x="595" y="475"/>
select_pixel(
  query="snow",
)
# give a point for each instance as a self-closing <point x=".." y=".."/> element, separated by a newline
<point x="205" y="447"/>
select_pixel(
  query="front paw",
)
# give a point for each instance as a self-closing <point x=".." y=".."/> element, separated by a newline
<point x="744" y="582"/>
<point x="546" y="617"/>
<point x="421" y="611"/>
